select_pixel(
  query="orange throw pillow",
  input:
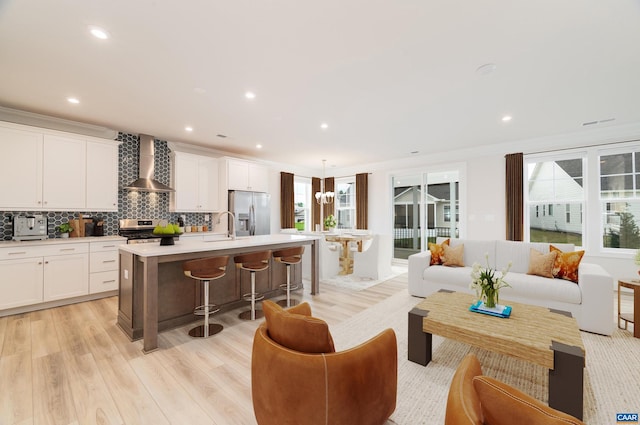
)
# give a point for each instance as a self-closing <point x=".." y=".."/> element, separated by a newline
<point x="299" y="332"/>
<point x="437" y="251"/>
<point x="566" y="264"/>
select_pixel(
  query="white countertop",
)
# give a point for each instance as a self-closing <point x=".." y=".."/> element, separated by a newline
<point x="188" y="246"/>
<point x="10" y="244"/>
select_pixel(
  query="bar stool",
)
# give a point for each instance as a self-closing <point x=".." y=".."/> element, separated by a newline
<point x="253" y="262"/>
<point x="206" y="270"/>
<point x="289" y="256"/>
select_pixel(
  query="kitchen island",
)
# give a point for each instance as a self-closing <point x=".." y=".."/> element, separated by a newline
<point x="155" y="295"/>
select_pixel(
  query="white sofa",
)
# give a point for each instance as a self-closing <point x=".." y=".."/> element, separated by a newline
<point x="590" y="301"/>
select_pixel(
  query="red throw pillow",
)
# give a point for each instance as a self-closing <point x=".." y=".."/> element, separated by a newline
<point x="437" y="251"/>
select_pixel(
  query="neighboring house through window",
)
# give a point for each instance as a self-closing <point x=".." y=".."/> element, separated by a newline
<point x="345" y="202"/>
<point x="301" y="198"/>
<point x="599" y="210"/>
<point x="620" y="197"/>
<point x="554" y="181"/>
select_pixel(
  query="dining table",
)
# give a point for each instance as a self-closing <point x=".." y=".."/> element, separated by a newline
<point x="347" y="240"/>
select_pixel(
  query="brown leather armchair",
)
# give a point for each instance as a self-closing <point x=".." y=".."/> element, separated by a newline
<point x="475" y="399"/>
<point x="318" y="385"/>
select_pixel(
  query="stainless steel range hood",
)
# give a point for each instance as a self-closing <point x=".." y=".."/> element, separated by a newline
<point x="146" y="182"/>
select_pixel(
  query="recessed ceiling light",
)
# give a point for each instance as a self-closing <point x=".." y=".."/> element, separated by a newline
<point x="258" y="146"/>
<point x="324" y="126"/>
<point x="98" y="32"/>
<point x="250" y="95"/>
<point x="73" y="100"/>
<point x="486" y="69"/>
<point x="506" y="118"/>
<point x="189" y="129"/>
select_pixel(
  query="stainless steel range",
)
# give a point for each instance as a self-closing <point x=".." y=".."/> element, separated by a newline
<point x="138" y="230"/>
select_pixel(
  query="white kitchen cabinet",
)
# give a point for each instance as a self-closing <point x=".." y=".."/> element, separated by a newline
<point x="195" y="180"/>
<point x="65" y="276"/>
<point x="246" y="175"/>
<point x="33" y="274"/>
<point x="102" y="177"/>
<point x="21" y="170"/>
<point x="63" y="173"/>
<point x="51" y="170"/>
<point x="39" y="274"/>
<point x="20" y="282"/>
<point x="104" y="261"/>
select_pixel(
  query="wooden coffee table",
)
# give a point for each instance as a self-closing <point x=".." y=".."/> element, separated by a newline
<point x="549" y="338"/>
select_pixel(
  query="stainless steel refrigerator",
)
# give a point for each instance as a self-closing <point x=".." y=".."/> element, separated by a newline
<point x="252" y="211"/>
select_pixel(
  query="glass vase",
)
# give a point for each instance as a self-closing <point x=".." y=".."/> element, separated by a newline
<point x="490" y="298"/>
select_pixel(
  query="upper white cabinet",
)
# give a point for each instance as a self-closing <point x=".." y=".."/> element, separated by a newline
<point x="21" y="171"/>
<point x="49" y="170"/>
<point x="102" y="177"/>
<point x="245" y="175"/>
<point x="63" y="173"/>
<point x="195" y="180"/>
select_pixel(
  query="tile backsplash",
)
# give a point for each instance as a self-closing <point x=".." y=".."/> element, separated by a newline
<point x="131" y="204"/>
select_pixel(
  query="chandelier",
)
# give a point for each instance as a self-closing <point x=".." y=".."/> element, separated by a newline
<point x="323" y="197"/>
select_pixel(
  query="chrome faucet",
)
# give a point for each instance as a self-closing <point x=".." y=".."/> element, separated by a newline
<point x="230" y="234"/>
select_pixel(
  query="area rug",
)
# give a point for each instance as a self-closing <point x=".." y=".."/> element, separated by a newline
<point x="612" y="375"/>
<point x="357" y="283"/>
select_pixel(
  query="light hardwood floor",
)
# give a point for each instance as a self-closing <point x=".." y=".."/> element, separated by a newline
<point x="73" y="365"/>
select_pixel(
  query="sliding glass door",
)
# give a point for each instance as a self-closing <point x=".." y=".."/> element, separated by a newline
<point x="426" y="205"/>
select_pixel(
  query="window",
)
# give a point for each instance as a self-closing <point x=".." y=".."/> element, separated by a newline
<point x="302" y="198"/>
<point x="598" y="210"/>
<point x="620" y="199"/>
<point x="423" y="205"/>
<point x="447" y="213"/>
<point x="345" y="202"/>
<point x="552" y="181"/>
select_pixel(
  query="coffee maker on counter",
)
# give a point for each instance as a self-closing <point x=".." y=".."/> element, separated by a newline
<point x="29" y="227"/>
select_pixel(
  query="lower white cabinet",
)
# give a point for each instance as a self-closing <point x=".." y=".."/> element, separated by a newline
<point x="65" y="276"/>
<point x="20" y="282"/>
<point x="32" y="274"/>
<point x="104" y="261"/>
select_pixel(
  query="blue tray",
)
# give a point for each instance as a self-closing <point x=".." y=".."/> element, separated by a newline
<point x="478" y="308"/>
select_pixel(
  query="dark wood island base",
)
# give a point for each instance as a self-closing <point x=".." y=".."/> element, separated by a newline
<point x="155" y="295"/>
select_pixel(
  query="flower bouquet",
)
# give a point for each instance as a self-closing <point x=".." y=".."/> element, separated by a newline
<point x="330" y="222"/>
<point x="486" y="284"/>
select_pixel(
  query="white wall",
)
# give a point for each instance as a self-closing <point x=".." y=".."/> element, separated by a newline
<point x="486" y="198"/>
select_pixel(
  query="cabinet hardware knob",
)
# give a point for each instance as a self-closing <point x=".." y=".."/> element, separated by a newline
<point x="18" y="253"/>
<point x="109" y="261"/>
<point x="108" y="281"/>
<point x="67" y="249"/>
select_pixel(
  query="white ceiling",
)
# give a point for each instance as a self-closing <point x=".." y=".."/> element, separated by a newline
<point x="389" y="77"/>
